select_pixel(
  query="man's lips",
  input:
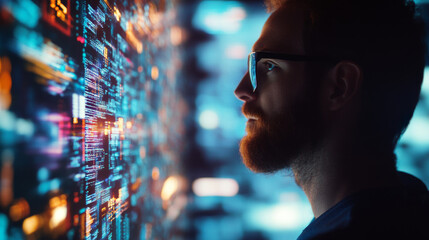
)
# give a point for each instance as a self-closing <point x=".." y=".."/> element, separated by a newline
<point x="251" y="123"/>
<point x="251" y="118"/>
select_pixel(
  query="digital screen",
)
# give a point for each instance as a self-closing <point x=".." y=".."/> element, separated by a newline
<point x="92" y="121"/>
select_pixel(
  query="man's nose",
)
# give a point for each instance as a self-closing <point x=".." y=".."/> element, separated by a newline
<point x="244" y="90"/>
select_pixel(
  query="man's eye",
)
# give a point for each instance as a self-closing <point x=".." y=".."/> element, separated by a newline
<point x="269" y="66"/>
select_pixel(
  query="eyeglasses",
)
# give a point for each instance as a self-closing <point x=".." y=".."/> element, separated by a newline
<point x="254" y="58"/>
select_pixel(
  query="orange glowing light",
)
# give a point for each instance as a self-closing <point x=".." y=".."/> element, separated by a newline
<point x="140" y="69"/>
<point x="5" y="83"/>
<point x="75" y="220"/>
<point x="54" y="202"/>
<point x="31" y="224"/>
<point x="121" y="124"/>
<point x="59" y="214"/>
<point x="75" y="120"/>
<point x="82" y="224"/>
<point x="155" y="173"/>
<point x="142" y="152"/>
<point x="176" y="35"/>
<point x="5" y="100"/>
<point x="6" y="65"/>
<point x="58" y="205"/>
<point x="89" y="221"/>
<point x="135" y="186"/>
<point x="132" y="39"/>
<point x="117" y="14"/>
<point x="129" y="124"/>
<point x="45" y="71"/>
<point x="56" y="13"/>
<point x="169" y="188"/>
<point x="106" y="57"/>
<point x="60" y="9"/>
<point x="154" y="16"/>
<point x="19" y="210"/>
<point x="6" y="179"/>
<point x="155" y="73"/>
<point x="106" y="131"/>
<point x="58" y="201"/>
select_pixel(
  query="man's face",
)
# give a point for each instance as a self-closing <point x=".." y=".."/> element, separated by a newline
<point x="283" y="117"/>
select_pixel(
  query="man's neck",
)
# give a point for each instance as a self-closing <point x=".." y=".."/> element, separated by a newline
<point x="327" y="180"/>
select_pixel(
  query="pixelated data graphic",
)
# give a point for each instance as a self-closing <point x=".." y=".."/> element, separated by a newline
<point x="91" y="125"/>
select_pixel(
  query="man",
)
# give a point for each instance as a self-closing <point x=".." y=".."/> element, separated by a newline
<point x="330" y="88"/>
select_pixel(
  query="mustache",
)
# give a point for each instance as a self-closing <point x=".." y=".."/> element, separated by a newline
<point x="251" y="110"/>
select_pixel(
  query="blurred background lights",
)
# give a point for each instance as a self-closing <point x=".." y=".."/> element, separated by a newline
<point x="224" y="187"/>
<point x="3" y="224"/>
<point x="169" y="188"/>
<point x="25" y="11"/>
<point x="24" y="127"/>
<point x="55" y="184"/>
<point x="238" y="51"/>
<point x="418" y="131"/>
<point x="425" y="84"/>
<point x="154" y="73"/>
<point x="31" y="224"/>
<point x="281" y="216"/>
<point x="58" y="205"/>
<point x="209" y="119"/>
<point x="177" y="35"/>
<point x="117" y="13"/>
<point x="142" y="152"/>
<point x="19" y="210"/>
<point x="5" y="83"/>
<point x="58" y="215"/>
<point x="155" y="173"/>
<point x="219" y="16"/>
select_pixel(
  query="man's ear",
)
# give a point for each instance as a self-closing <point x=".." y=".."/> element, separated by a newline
<point x="345" y="81"/>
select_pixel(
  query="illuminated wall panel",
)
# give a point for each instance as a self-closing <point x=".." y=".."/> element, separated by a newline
<point x="91" y="125"/>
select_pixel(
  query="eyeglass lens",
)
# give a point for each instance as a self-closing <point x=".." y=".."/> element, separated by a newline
<point x="252" y="70"/>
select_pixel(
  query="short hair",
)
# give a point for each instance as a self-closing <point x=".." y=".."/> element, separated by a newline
<point x="386" y="38"/>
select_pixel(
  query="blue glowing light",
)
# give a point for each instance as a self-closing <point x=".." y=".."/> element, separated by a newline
<point x="219" y="17"/>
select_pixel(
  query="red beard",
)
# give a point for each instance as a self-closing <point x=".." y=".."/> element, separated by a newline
<point x="274" y="144"/>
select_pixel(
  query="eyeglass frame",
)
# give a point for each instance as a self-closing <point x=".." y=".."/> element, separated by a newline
<point x="254" y="57"/>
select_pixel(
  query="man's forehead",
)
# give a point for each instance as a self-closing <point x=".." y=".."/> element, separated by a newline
<point x="282" y="32"/>
<point x="259" y="46"/>
<point x="267" y="45"/>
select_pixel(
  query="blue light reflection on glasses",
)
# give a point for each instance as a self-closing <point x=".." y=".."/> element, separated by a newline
<point x="252" y="70"/>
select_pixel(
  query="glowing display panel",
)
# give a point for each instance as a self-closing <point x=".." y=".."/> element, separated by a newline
<point x="91" y="120"/>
